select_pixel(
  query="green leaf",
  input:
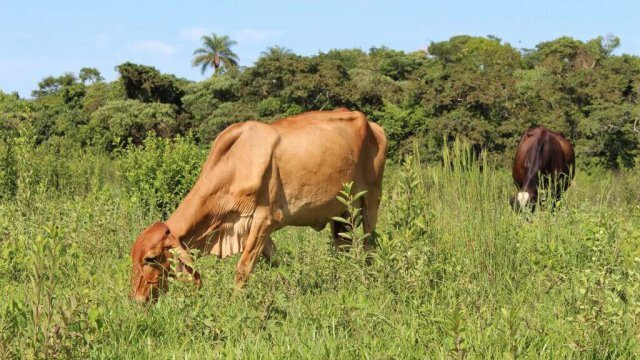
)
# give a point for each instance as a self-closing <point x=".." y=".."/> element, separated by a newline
<point x="345" y="202"/>
<point x="342" y="220"/>
<point x="359" y="195"/>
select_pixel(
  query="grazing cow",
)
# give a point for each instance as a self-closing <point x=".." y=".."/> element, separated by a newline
<point x="257" y="179"/>
<point x="545" y="153"/>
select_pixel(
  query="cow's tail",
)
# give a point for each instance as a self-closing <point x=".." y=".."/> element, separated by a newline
<point x="534" y="154"/>
<point x="532" y="162"/>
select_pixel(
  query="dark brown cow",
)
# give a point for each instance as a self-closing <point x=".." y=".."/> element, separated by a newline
<point x="545" y="153"/>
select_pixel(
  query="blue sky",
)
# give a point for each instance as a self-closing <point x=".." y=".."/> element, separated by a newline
<point x="41" y="38"/>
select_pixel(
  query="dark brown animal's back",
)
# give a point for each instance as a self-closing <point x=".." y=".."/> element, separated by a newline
<point x="542" y="152"/>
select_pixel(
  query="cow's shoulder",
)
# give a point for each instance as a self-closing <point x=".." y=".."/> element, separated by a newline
<point x="239" y="132"/>
<point x="245" y="147"/>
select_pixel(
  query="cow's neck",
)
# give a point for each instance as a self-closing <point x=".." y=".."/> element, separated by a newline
<point x="195" y="219"/>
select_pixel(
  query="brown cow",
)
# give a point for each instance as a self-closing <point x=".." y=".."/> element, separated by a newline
<point x="257" y="179"/>
<point x="542" y="152"/>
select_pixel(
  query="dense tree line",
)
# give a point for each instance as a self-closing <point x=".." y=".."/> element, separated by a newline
<point x="476" y="88"/>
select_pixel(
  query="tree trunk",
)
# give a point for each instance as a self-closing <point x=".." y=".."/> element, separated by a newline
<point x="216" y="64"/>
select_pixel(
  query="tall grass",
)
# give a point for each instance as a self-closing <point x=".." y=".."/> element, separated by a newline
<point x="456" y="274"/>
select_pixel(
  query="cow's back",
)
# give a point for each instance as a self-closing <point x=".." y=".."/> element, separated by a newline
<point x="317" y="153"/>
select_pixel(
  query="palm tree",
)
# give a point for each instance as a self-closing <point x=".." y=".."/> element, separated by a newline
<point x="276" y="52"/>
<point x="216" y="52"/>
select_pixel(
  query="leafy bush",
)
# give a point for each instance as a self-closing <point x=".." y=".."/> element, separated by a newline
<point x="270" y="107"/>
<point x="8" y="171"/>
<point x="58" y="167"/>
<point x="224" y="115"/>
<point x="161" y="172"/>
<point x="121" y="122"/>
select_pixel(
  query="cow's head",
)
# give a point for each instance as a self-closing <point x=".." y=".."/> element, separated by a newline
<point x="151" y="257"/>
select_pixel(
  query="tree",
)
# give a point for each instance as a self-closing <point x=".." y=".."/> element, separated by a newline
<point x="349" y="58"/>
<point x="204" y="98"/>
<point x="469" y="90"/>
<point x="396" y="64"/>
<point x="147" y="84"/>
<point x="51" y="85"/>
<point x="90" y="74"/>
<point x="14" y="111"/>
<point x="215" y="53"/>
<point x="276" y="52"/>
<point x="610" y="43"/>
<point x="319" y="85"/>
<point x="123" y="122"/>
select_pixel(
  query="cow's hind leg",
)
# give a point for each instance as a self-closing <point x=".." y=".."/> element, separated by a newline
<point x="340" y="242"/>
<point x="269" y="252"/>
<point x="370" y="206"/>
<point x="254" y="247"/>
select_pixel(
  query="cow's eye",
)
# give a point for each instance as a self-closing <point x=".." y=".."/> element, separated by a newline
<point x="151" y="260"/>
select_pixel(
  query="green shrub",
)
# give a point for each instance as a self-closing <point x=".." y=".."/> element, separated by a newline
<point x="8" y="171"/>
<point x="161" y="172"/>
<point x="121" y="122"/>
<point x="270" y="107"/>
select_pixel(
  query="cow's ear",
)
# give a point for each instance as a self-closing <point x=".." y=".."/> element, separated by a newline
<point x="159" y="234"/>
<point x="150" y="241"/>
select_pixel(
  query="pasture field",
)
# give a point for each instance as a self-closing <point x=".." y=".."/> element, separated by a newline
<point x="457" y="273"/>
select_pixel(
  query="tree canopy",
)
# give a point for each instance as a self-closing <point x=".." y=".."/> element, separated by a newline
<point x="216" y="53"/>
<point x="476" y="88"/>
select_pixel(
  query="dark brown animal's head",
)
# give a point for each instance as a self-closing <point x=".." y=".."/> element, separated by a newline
<point x="524" y="200"/>
<point x="151" y="256"/>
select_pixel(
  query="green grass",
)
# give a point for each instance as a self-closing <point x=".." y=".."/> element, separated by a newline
<point x="456" y="274"/>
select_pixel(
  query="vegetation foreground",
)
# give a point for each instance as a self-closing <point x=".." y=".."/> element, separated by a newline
<point x="457" y="273"/>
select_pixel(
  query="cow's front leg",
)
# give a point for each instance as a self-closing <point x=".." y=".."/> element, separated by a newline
<point x="254" y="247"/>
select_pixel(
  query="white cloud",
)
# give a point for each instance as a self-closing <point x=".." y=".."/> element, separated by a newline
<point x="255" y="35"/>
<point x="155" y="46"/>
<point x="193" y="33"/>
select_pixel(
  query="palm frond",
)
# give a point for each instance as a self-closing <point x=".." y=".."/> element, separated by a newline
<point x="200" y="51"/>
<point x="204" y="67"/>
<point x="200" y="59"/>
<point x="215" y="47"/>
